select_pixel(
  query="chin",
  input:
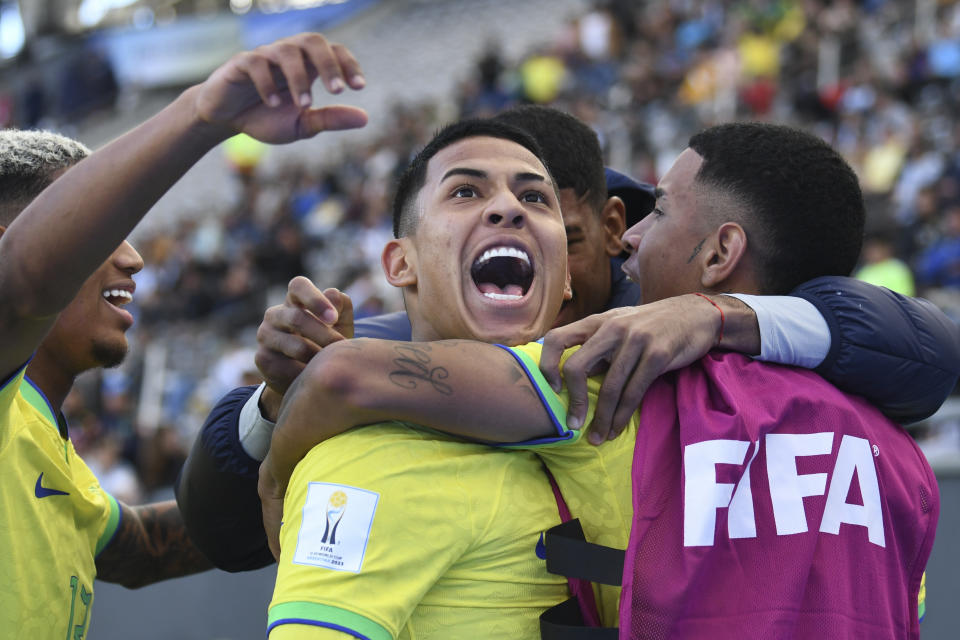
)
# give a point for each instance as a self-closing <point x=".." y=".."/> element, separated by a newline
<point x="109" y="354"/>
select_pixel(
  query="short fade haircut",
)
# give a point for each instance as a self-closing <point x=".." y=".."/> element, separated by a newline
<point x="405" y="218"/>
<point x="28" y="162"/>
<point x="801" y="202"/>
<point x="571" y="149"/>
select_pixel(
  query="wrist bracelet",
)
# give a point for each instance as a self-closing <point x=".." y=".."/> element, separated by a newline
<point x="722" y="319"/>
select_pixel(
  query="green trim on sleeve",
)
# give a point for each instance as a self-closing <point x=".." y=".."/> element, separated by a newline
<point x="556" y="405"/>
<point x="113" y="521"/>
<point x="326" y="616"/>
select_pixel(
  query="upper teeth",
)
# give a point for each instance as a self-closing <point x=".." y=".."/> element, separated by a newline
<point x="504" y="252"/>
<point x="118" y="293"/>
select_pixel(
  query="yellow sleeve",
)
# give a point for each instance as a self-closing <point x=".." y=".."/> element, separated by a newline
<point x="354" y="553"/>
<point x="528" y="357"/>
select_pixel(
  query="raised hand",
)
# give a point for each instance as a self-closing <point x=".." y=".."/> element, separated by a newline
<point x="265" y="93"/>
<point x="293" y="332"/>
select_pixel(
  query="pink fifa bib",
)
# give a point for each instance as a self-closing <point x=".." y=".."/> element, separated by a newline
<point x="768" y="504"/>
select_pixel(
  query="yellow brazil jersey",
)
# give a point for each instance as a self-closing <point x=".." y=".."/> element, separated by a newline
<point x="393" y="531"/>
<point x="55" y="519"/>
<point x="594" y="480"/>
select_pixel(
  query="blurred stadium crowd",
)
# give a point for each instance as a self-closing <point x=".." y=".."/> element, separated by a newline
<point x="879" y="79"/>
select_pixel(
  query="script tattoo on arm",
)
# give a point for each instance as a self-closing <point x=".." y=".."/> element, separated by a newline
<point x="415" y="366"/>
<point x="150" y="545"/>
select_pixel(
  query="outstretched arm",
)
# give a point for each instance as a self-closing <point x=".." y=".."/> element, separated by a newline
<point x="84" y="215"/>
<point x="151" y="544"/>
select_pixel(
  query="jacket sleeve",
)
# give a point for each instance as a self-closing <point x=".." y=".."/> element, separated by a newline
<point x="217" y="487"/>
<point x="217" y="492"/>
<point x="900" y="353"/>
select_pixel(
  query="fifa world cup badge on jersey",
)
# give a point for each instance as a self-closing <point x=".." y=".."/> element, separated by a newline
<point x="336" y="526"/>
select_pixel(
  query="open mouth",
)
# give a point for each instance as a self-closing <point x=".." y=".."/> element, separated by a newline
<point x="117" y="297"/>
<point x="503" y="273"/>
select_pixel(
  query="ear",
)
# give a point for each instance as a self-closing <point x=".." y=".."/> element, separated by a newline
<point x="723" y="255"/>
<point x="399" y="260"/>
<point x="613" y="217"/>
<point x="567" y="288"/>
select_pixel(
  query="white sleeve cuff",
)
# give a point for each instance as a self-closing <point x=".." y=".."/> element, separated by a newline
<point x="254" y="430"/>
<point x="792" y="331"/>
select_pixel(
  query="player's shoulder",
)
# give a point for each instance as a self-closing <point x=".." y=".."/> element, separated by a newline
<point x="390" y="451"/>
<point x="25" y="412"/>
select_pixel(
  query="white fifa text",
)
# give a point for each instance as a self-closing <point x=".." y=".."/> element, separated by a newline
<point x="704" y="495"/>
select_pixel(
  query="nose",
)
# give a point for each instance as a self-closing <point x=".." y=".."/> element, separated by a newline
<point x="506" y="210"/>
<point x="631" y="237"/>
<point x="127" y="259"/>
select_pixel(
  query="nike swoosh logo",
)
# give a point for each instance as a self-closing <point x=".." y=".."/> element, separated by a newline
<point x="541" y="549"/>
<point x="42" y="492"/>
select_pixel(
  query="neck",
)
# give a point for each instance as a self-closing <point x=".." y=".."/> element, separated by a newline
<point x="51" y="376"/>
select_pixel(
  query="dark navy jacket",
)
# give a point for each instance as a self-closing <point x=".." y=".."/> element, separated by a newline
<point x="902" y="354"/>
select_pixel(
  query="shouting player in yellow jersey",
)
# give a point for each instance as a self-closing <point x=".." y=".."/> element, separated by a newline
<point x="371" y="550"/>
<point x="65" y="274"/>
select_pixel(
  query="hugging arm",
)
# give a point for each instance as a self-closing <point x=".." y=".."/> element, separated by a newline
<point x="469" y="389"/>
<point x="900" y="353"/>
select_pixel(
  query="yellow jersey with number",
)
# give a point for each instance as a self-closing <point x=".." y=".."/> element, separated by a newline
<point x="55" y="519"/>
<point x="392" y="531"/>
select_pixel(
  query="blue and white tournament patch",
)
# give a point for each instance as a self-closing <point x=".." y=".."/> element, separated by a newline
<point x="336" y="526"/>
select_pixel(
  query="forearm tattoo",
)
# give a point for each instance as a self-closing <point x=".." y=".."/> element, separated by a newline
<point x="151" y="545"/>
<point x="413" y="366"/>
